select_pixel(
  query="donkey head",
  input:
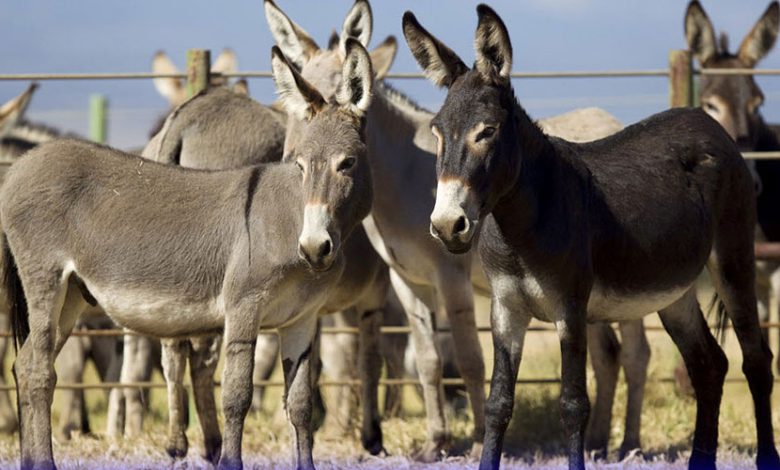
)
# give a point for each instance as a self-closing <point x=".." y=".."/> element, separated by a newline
<point x="13" y="111"/>
<point x="475" y="128"/>
<point x="732" y="100"/>
<point x="173" y="89"/>
<point x="331" y="152"/>
<point x="322" y="67"/>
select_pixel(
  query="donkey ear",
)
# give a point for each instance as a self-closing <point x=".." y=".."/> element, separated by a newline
<point x="358" y="24"/>
<point x="13" y="111"/>
<point x="294" y="42"/>
<point x="226" y="62"/>
<point x="172" y="89"/>
<point x="494" y="50"/>
<point x="357" y="79"/>
<point x="699" y="33"/>
<point x="241" y="87"/>
<point x="298" y="97"/>
<point x="333" y="40"/>
<point x="439" y="63"/>
<point x="382" y="57"/>
<point x="761" y="37"/>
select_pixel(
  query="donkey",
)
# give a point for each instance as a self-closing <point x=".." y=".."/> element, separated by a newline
<point x="735" y="102"/>
<point x="610" y="230"/>
<point x="177" y="252"/>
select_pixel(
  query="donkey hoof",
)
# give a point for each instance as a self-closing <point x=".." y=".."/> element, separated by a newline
<point x="213" y="450"/>
<point x="431" y="452"/>
<point x="230" y="464"/>
<point x="372" y="438"/>
<point x="630" y="453"/>
<point x="177" y="447"/>
<point x="701" y="461"/>
<point x="768" y="460"/>
<point x="597" y="453"/>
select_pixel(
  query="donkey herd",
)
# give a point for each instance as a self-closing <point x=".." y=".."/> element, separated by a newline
<point x="346" y="199"/>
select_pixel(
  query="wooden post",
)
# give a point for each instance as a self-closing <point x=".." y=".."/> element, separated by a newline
<point x="680" y="79"/>
<point x="98" y="105"/>
<point x="198" y="70"/>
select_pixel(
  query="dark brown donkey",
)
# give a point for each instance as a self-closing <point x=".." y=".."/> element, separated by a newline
<point x="735" y="102"/>
<point x="610" y="230"/>
<point x="172" y="252"/>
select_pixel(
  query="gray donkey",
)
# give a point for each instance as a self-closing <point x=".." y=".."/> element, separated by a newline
<point x="177" y="252"/>
<point x="610" y="230"/>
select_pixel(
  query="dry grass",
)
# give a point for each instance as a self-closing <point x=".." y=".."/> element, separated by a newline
<point x="534" y="438"/>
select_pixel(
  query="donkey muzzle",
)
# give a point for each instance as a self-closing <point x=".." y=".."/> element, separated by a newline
<point x="316" y="246"/>
<point x="454" y="219"/>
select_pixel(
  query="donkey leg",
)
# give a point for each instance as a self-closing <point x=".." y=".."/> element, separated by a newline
<point x="204" y="356"/>
<point x="370" y="367"/>
<point x="174" y="361"/>
<point x="575" y="406"/>
<point x="298" y="343"/>
<point x="707" y="367"/>
<point x="339" y="353"/>
<point x="136" y="368"/>
<point x="736" y="291"/>
<point x="456" y="297"/>
<point x="70" y="366"/>
<point x="266" y="354"/>
<point x="634" y="357"/>
<point x="509" y="326"/>
<point x="604" y="349"/>
<point x="240" y="337"/>
<point x="428" y="367"/>
<point x="8" y="423"/>
<point x="393" y="349"/>
<point x="774" y="308"/>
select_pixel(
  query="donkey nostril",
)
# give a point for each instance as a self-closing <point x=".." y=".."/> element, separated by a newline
<point x="324" y="249"/>
<point x="460" y="225"/>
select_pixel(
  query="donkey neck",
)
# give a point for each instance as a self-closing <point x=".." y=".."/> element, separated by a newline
<point x="537" y="187"/>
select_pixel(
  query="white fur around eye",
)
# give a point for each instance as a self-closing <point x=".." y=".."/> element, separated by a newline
<point x="439" y="141"/>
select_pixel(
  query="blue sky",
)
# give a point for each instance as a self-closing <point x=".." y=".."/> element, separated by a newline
<point x="103" y="36"/>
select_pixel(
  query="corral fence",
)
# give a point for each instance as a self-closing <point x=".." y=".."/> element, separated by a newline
<point x="682" y="92"/>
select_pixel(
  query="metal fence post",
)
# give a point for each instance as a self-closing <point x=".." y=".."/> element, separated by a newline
<point x="198" y="70"/>
<point x="98" y="118"/>
<point x="680" y="79"/>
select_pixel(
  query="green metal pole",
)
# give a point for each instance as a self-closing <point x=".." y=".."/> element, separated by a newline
<point x="198" y="70"/>
<point x="98" y="118"/>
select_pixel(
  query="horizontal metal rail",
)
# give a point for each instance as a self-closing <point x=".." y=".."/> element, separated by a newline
<point x="351" y="330"/>
<point x="325" y="383"/>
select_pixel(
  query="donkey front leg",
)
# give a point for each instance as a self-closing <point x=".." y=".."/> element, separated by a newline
<point x="174" y="361"/>
<point x="455" y="296"/>
<point x="8" y="423"/>
<point x="204" y="356"/>
<point x="428" y="366"/>
<point x="575" y="405"/>
<point x="266" y="354"/>
<point x="509" y="325"/>
<point x="70" y="366"/>
<point x="240" y="338"/>
<point x="136" y="367"/>
<point x="370" y="367"/>
<point x="298" y="344"/>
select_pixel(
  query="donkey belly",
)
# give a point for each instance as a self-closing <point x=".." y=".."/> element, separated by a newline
<point x="610" y="305"/>
<point x="156" y="313"/>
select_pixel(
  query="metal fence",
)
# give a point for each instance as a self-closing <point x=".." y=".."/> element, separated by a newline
<point x="680" y="73"/>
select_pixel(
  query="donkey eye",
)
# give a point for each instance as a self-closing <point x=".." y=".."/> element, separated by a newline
<point x="346" y="164"/>
<point x="710" y="107"/>
<point x="299" y="165"/>
<point x="485" y="133"/>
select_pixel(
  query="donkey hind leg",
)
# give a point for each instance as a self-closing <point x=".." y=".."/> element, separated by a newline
<point x="69" y="365"/>
<point x="299" y="342"/>
<point x="455" y="296"/>
<point x="8" y="423"/>
<point x="339" y="361"/>
<point x="428" y="367"/>
<point x="136" y="367"/>
<point x="728" y="269"/>
<point x="773" y="312"/>
<point x="266" y="356"/>
<point x="604" y="350"/>
<point x="370" y="367"/>
<point x="204" y="356"/>
<point x="54" y="305"/>
<point x="509" y="326"/>
<point x="240" y="337"/>
<point x="174" y="361"/>
<point x="634" y="357"/>
<point x="393" y="349"/>
<point x="707" y="366"/>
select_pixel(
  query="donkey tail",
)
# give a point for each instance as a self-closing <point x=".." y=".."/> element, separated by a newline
<point x="721" y="317"/>
<point x="17" y="303"/>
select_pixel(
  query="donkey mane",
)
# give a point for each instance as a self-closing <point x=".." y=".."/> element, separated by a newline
<point x="398" y="98"/>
